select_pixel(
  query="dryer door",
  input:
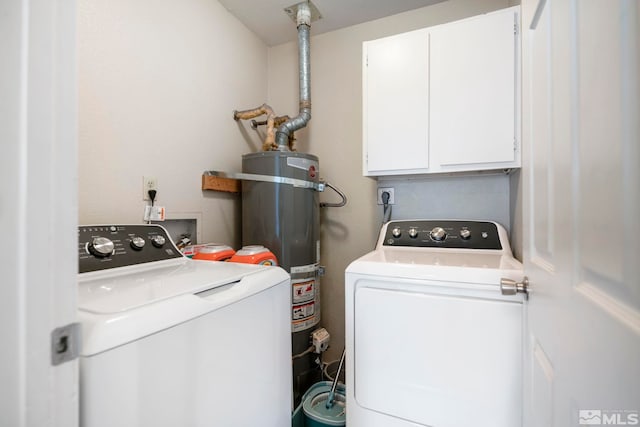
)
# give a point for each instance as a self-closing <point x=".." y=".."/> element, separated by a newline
<point x="437" y="359"/>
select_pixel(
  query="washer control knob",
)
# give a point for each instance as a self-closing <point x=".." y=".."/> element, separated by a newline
<point x="438" y="234"/>
<point x="396" y="232"/>
<point x="465" y="234"/>
<point x="158" y="241"/>
<point x="413" y="232"/>
<point x="101" y="247"/>
<point x="137" y="243"/>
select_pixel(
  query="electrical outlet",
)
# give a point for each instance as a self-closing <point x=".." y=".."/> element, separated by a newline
<point x="148" y="183"/>
<point x="388" y="190"/>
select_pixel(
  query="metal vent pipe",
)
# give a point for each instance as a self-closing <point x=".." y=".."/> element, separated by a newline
<point x="303" y="20"/>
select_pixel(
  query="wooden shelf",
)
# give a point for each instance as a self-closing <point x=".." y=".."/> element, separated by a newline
<point x="216" y="183"/>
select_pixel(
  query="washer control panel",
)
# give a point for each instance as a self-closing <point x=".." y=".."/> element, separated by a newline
<point x="101" y="247"/>
<point x="442" y="234"/>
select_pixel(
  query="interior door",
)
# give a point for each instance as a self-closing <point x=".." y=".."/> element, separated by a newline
<point x="581" y="180"/>
<point x="38" y="211"/>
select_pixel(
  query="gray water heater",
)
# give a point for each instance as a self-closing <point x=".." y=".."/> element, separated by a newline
<point x="280" y="210"/>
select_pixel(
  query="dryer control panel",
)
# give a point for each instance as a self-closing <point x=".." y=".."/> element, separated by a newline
<point x="442" y="234"/>
<point x="101" y="247"/>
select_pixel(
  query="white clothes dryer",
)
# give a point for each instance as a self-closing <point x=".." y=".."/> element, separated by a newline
<point x="170" y="341"/>
<point x="431" y="339"/>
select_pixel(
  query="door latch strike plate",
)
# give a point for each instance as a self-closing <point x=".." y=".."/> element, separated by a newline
<point x="65" y="343"/>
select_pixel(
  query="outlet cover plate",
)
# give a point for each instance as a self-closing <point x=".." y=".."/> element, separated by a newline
<point x="389" y="190"/>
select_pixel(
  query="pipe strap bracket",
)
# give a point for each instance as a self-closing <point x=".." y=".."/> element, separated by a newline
<point x="299" y="183"/>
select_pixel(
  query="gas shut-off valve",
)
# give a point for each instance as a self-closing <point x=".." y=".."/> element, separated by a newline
<point x="320" y="339"/>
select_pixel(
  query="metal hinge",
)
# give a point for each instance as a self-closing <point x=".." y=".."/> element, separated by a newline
<point x="65" y="343"/>
<point x="511" y="287"/>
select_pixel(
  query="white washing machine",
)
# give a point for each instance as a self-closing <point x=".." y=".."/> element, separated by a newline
<point x="171" y="341"/>
<point x="431" y="339"/>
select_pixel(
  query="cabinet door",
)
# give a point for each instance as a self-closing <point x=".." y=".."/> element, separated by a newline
<point x="396" y="104"/>
<point x="473" y="93"/>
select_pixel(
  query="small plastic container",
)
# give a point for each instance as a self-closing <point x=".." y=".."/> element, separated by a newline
<point x="191" y="250"/>
<point x="254" y="254"/>
<point x="214" y="252"/>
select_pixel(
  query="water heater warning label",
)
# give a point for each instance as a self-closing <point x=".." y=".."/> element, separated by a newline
<point x="304" y="317"/>
<point x="305" y="297"/>
<point x="303" y="290"/>
<point x="303" y="311"/>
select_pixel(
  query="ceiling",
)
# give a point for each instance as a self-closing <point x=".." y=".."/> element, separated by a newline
<point x="271" y="23"/>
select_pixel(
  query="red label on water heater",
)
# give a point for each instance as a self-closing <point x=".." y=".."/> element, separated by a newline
<point x="312" y="171"/>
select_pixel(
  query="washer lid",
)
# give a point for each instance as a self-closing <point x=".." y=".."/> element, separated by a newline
<point x="124" y="305"/>
<point x="138" y="286"/>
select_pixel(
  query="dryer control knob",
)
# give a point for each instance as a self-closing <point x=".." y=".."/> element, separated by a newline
<point x="158" y="241"/>
<point x="101" y="247"/>
<point x="465" y="234"/>
<point x="137" y="243"/>
<point x="413" y="232"/>
<point x="438" y="234"/>
<point x="396" y="232"/>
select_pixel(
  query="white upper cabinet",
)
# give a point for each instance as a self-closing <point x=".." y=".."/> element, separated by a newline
<point x="443" y="99"/>
<point x="396" y="96"/>
<point x="473" y="93"/>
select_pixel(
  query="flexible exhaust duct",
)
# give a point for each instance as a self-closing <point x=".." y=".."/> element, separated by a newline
<point x="303" y="21"/>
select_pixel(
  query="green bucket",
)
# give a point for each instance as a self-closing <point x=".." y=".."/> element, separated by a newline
<point x="314" y="406"/>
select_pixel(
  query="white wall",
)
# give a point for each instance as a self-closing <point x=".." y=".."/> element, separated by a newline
<point x="158" y="81"/>
<point x="335" y="135"/>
